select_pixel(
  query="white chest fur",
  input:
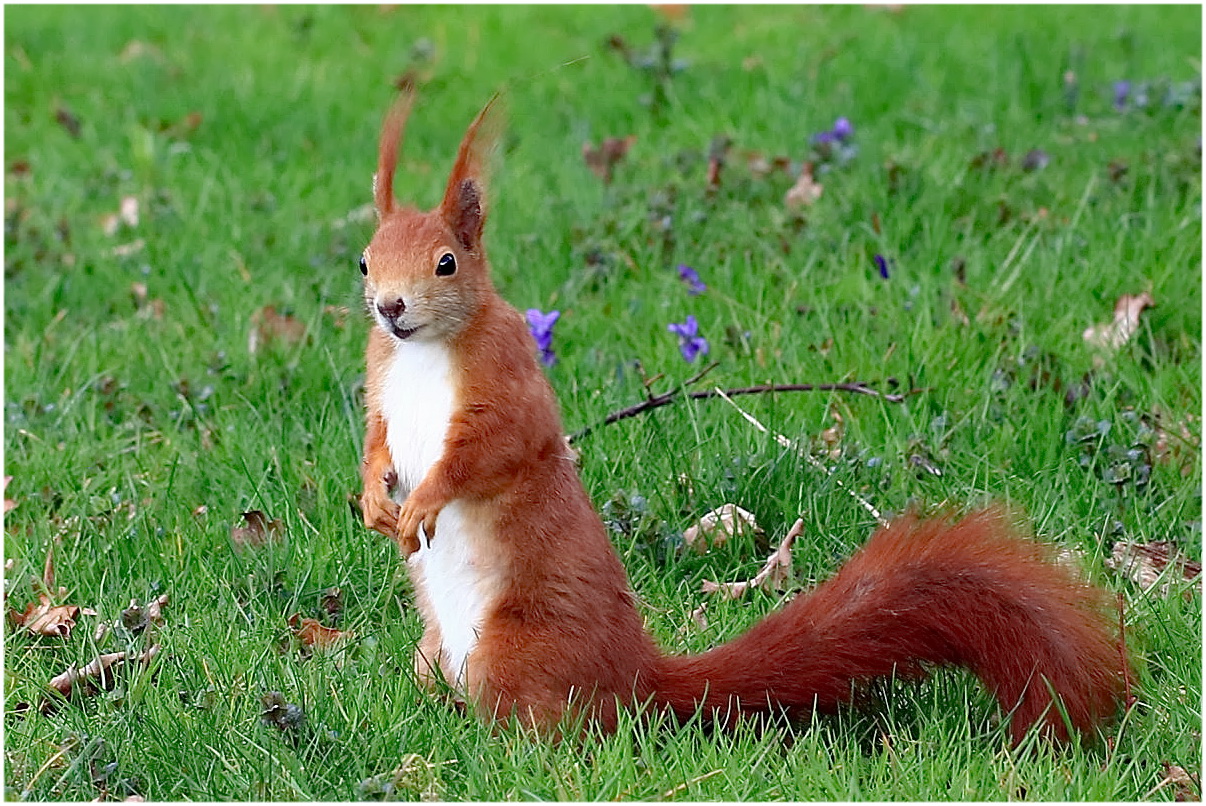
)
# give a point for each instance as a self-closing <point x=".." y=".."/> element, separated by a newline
<point x="417" y="402"/>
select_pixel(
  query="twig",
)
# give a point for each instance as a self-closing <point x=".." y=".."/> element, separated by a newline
<point x="657" y="401"/>
<point x="787" y="443"/>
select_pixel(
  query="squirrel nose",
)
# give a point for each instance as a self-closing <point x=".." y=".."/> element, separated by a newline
<point x="392" y="309"/>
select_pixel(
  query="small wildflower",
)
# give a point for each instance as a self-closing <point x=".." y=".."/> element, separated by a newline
<point x="1122" y="91"/>
<point x="541" y="326"/>
<point x="690" y="276"/>
<point x="843" y="129"/>
<point x="833" y="145"/>
<point x="690" y="344"/>
<point x="881" y="263"/>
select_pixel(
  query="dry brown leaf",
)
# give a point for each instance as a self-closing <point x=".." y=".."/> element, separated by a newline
<point x="45" y="618"/>
<point x="774" y="574"/>
<point x="1113" y="335"/>
<point x="602" y="160"/>
<point x="311" y="633"/>
<point x="8" y="502"/>
<point x="804" y="192"/>
<point x="267" y="326"/>
<point x="1148" y="563"/>
<point x="1185" y="788"/>
<point x="715" y="528"/>
<point x="699" y="618"/>
<point x="256" y="530"/>
<point x="137" y="618"/>
<point x="97" y="675"/>
<point x="832" y="436"/>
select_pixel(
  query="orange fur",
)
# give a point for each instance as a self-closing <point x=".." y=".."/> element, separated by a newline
<point x="560" y="630"/>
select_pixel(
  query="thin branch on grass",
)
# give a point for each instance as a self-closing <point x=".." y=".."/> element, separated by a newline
<point x="652" y="401"/>
<point x="787" y="443"/>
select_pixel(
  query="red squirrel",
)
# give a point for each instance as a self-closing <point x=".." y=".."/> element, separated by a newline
<point x="526" y="607"/>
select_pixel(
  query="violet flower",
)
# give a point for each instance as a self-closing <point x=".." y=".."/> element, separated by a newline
<point x="541" y="326"/>
<point x="690" y="344"/>
<point x="690" y="276"/>
<point x="881" y="263"/>
<point x="843" y="129"/>
<point x="1122" y="91"/>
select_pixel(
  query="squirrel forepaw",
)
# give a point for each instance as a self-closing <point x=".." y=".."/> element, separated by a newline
<point x="418" y="510"/>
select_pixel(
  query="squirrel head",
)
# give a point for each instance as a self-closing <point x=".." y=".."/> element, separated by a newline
<point x="426" y="273"/>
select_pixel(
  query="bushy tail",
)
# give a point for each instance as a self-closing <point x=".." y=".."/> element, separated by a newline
<point x="969" y="593"/>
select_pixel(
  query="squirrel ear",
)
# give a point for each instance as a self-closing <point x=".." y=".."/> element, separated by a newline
<point x="465" y="212"/>
<point x="387" y="150"/>
<point x="464" y="205"/>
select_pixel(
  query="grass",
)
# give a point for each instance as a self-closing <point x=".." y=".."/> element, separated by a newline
<point x="139" y="426"/>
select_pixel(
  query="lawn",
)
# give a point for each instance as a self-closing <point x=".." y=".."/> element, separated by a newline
<point x="185" y="194"/>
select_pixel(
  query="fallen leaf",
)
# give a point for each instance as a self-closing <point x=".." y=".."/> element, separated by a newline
<point x="256" y="530"/>
<point x="715" y="528"/>
<point x="699" y="618"/>
<point x="774" y="573"/>
<point x="805" y="191"/>
<point x="1147" y="563"/>
<point x="97" y="675"/>
<point x="602" y="160"/>
<point x="311" y="633"/>
<point x="832" y="436"/>
<point x="267" y="326"/>
<point x="280" y="714"/>
<point x="1185" y="788"/>
<point x="137" y="618"/>
<point x="45" y="618"/>
<point x="332" y="602"/>
<point x="1126" y="322"/>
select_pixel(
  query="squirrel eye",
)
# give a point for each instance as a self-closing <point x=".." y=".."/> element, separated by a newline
<point x="447" y="265"/>
<point x="363" y="266"/>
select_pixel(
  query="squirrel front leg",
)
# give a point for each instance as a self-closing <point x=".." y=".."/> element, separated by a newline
<point x="481" y="453"/>
<point x="379" y="510"/>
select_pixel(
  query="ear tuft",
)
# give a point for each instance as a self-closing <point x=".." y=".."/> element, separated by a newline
<point x="387" y="150"/>
<point x="464" y="205"/>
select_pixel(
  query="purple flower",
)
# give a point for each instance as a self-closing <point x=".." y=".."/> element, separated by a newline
<point x="690" y="344"/>
<point x="823" y="138"/>
<point x="541" y="326"/>
<point x="842" y="128"/>
<point x="691" y="277"/>
<point x="1122" y="91"/>
<point x="881" y="263"/>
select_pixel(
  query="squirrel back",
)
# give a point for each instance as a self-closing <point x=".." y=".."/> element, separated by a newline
<point x="527" y="609"/>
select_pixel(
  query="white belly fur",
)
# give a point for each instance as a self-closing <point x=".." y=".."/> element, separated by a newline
<point x="417" y="402"/>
